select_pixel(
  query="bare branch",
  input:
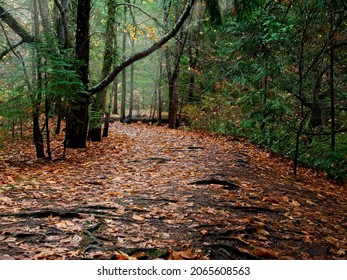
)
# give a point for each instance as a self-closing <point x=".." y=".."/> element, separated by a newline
<point x="11" y="48"/>
<point x="142" y="11"/>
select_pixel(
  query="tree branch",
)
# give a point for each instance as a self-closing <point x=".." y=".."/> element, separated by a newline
<point x="15" y="26"/>
<point x="142" y="11"/>
<point x="103" y="84"/>
<point x="12" y="47"/>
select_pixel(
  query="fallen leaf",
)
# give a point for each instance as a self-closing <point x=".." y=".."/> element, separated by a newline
<point x="295" y="203"/>
<point x="5" y="199"/>
<point x="265" y="253"/>
<point x="124" y="256"/>
<point x="138" y="218"/>
<point x="76" y="240"/>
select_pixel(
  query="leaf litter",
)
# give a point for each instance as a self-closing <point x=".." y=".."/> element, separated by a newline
<point x="148" y="192"/>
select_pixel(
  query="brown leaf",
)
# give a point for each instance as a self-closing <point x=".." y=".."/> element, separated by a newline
<point x="265" y="253"/>
<point x="138" y="218"/>
<point x="187" y="254"/>
<point x="174" y="255"/>
<point x="76" y="240"/>
<point x="124" y="256"/>
<point x="2" y="237"/>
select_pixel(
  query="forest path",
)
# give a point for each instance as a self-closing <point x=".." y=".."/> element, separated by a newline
<point x="151" y="192"/>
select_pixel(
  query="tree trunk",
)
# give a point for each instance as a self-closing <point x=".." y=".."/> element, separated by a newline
<point x="77" y="123"/>
<point x="99" y="102"/>
<point x="124" y="73"/>
<point x="108" y="116"/>
<point x="160" y="94"/>
<point x="36" y="97"/>
<point x="45" y="17"/>
<point x="301" y="98"/>
<point x="131" y="97"/>
<point x="115" y="96"/>
<point x="193" y="50"/>
<point x="332" y="95"/>
<point x="173" y="96"/>
<point x="63" y="22"/>
<point x="174" y="78"/>
<point x="316" y="110"/>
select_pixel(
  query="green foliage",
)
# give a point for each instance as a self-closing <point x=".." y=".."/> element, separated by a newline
<point x="257" y="57"/>
<point x="14" y="114"/>
<point x="22" y="98"/>
<point x="216" y="113"/>
<point x="320" y="155"/>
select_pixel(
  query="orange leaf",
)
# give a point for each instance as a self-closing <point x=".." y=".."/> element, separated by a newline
<point x="265" y="253"/>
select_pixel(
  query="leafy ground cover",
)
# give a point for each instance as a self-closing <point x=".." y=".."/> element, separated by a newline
<point x="148" y="192"/>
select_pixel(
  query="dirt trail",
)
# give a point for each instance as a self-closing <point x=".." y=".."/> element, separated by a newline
<point x="152" y="192"/>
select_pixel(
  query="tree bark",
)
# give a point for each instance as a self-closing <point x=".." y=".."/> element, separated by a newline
<point x="77" y="123"/>
<point x="160" y="94"/>
<point x="124" y="73"/>
<point x="63" y="23"/>
<point x="115" y="96"/>
<point x="99" y="102"/>
<point x="36" y="96"/>
<point x="174" y="82"/>
<point x="193" y="51"/>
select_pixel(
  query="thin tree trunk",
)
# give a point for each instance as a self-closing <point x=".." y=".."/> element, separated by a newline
<point x="108" y="116"/>
<point x="300" y="94"/>
<point x="160" y="97"/>
<point x="132" y="70"/>
<point x="45" y="17"/>
<point x="48" y="138"/>
<point x="173" y="95"/>
<point x="63" y="23"/>
<point x="124" y="73"/>
<point x="193" y="51"/>
<point x="115" y="96"/>
<point x="174" y="84"/>
<point x="124" y="92"/>
<point x="131" y="96"/>
<point x="99" y="104"/>
<point x="174" y="79"/>
<point x="332" y="95"/>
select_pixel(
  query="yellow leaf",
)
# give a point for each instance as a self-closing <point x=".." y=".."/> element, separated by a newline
<point x="295" y="203"/>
